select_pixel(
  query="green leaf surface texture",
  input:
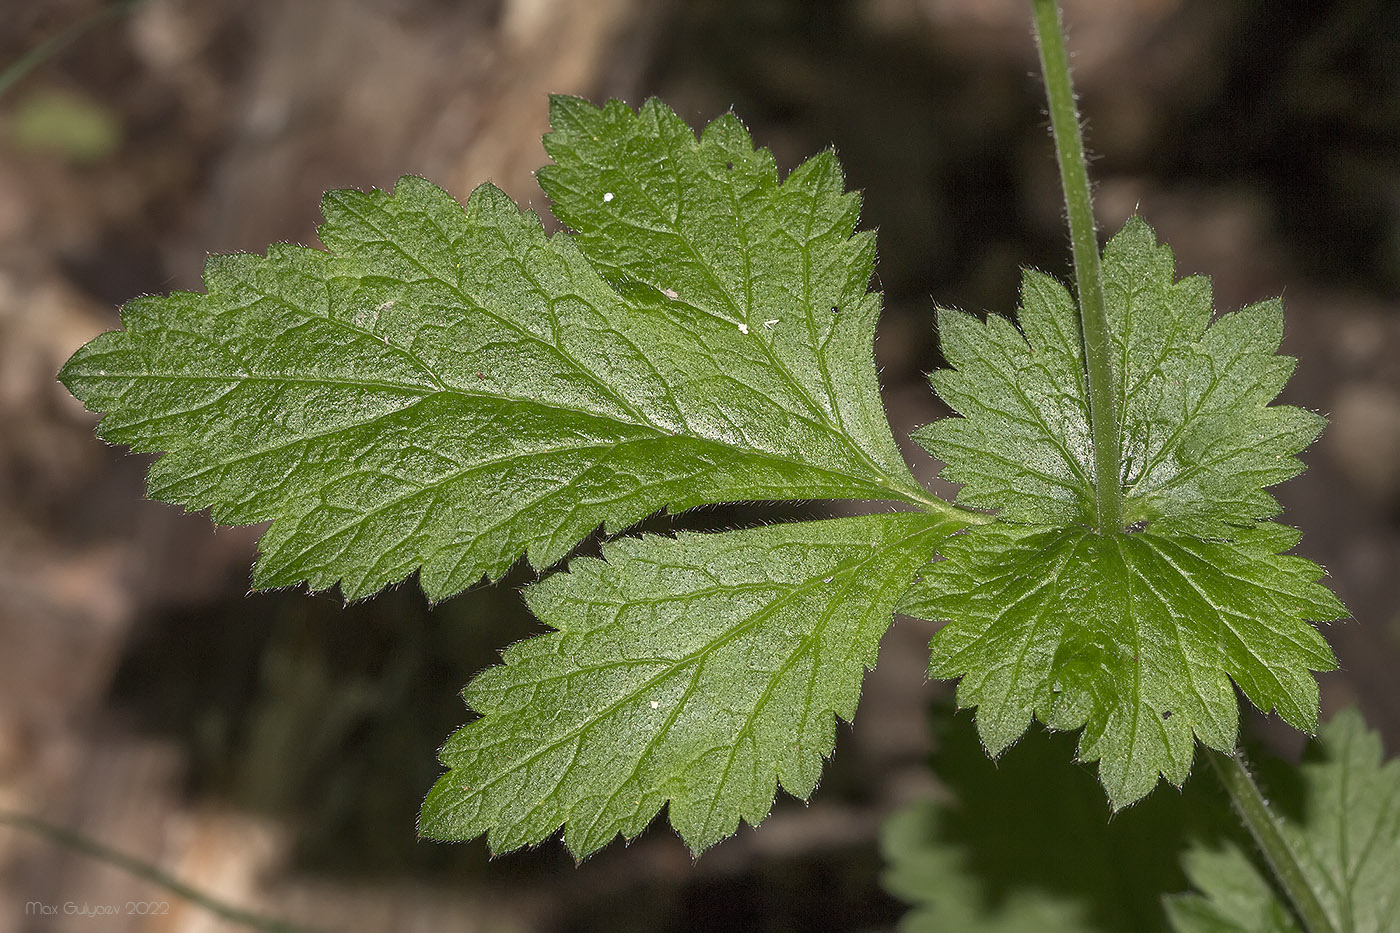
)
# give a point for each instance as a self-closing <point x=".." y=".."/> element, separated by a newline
<point x="448" y="388"/>
<point x="698" y="672"/>
<point x="1134" y="635"/>
<point x="1346" y="839"/>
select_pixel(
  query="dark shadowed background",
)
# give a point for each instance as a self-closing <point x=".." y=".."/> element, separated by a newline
<point x="274" y="748"/>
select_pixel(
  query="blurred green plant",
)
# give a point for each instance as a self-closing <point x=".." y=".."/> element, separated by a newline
<point x="977" y="862"/>
<point x="60" y="122"/>
<point x="974" y="859"/>
<point x="72" y="126"/>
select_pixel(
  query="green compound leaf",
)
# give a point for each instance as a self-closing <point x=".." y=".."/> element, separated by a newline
<point x="449" y="389"/>
<point x="1347" y="842"/>
<point x="1134" y="637"/>
<point x="1200" y="439"/>
<point x="702" y="670"/>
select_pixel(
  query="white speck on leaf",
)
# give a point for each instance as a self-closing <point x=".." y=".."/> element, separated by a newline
<point x="670" y="293"/>
<point x="655" y="705"/>
<point x="743" y="328"/>
<point x="607" y="196"/>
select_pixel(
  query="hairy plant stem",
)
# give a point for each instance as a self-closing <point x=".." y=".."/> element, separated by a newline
<point x="1093" y="319"/>
<point x="1254" y="813"/>
<point x="1232" y="770"/>
<point x="145" y="870"/>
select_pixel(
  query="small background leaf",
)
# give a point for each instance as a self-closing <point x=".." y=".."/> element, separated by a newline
<point x="1344" y="830"/>
<point x="1026" y="844"/>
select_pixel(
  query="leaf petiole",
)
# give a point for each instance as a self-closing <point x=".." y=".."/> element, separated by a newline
<point x="1074" y="176"/>
<point x="1254" y="813"/>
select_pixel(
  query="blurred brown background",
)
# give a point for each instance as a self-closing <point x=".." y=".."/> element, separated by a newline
<point x="274" y="748"/>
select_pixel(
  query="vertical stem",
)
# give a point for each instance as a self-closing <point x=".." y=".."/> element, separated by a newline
<point x="1248" y="802"/>
<point x="1254" y="813"/>
<point x="1074" y="176"/>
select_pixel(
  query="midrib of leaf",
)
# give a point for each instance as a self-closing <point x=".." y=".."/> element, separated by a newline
<point x="811" y="639"/>
<point x="923" y="499"/>
<point x="660" y="434"/>
<point x="911" y="493"/>
<point x="697" y="658"/>
<point x="1156" y="591"/>
<point x="1136" y="730"/>
<point x="1348" y="916"/>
